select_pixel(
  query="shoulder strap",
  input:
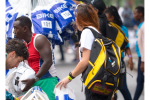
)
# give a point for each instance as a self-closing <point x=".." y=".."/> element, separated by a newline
<point x="95" y="33"/>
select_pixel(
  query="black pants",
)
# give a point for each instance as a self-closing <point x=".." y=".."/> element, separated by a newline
<point x="94" y="96"/>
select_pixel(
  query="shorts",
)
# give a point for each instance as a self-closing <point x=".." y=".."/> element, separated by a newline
<point x="48" y="85"/>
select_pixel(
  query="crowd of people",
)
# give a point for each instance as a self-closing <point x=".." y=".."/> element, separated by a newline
<point x="38" y="51"/>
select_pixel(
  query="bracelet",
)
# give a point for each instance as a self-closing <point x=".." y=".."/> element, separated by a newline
<point x="16" y="98"/>
<point x="69" y="78"/>
<point x="129" y="56"/>
<point x="81" y="2"/>
<point x="70" y="74"/>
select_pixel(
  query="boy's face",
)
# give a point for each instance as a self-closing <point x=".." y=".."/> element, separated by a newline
<point x="136" y="15"/>
<point x="12" y="60"/>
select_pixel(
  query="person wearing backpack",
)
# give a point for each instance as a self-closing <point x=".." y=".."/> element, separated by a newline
<point x="139" y="15"/>
<point x="112" y="15"/>
<point x="100" y="6"/>
<point x="85" y="16"/>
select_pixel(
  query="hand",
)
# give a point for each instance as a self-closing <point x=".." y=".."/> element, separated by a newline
<point x="76" y="2"/>
<point x="18" y="98"/>
<point x="130" y="62"/>
<point x="63" y="82"/>
<point x="29" y="83"/>
<point x="142" y="66"/>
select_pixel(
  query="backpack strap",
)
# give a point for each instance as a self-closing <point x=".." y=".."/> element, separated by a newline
<point x="115" y="81"/>
<point x="104" y="81"/>
<point x="95" y="33"/>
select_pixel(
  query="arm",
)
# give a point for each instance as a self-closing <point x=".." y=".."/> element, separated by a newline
<point x="130" y="62"/>
<point x="81" y="66"/>
<point x="141" y="45"/>
<point x="128" y="51"/>
<point x="77" y="2"/>
<point x="44" y="48"/>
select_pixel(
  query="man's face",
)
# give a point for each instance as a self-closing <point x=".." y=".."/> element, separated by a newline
<point x="136" y="15"/>
<point x="12" y="60"/>
<point x="18" y="30"/>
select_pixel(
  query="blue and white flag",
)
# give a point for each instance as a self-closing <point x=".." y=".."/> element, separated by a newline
<point x="9" y="20"/>
<point x="8" y="6"/>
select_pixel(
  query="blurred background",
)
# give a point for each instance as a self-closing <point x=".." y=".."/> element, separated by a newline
<point x="120" y="3"/>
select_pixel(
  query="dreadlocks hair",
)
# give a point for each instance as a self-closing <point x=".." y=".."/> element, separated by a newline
<point x="18" y="46"/>
<point x="140" y="9"/>
<point x="24" y="21"/>
<point x="112" y="11"/>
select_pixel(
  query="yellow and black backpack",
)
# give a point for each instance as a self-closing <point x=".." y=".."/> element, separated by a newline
<point x="114" y="32"/>
<point x="102" y="73"/>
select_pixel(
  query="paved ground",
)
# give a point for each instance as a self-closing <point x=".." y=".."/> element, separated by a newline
<point x="63" y="68"/>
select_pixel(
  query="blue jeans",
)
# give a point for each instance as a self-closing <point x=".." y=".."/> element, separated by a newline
<point x="140" y="82"/>
<point x="125" y="92"/>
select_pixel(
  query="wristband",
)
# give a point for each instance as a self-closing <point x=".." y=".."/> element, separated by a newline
<point x="81" y="2"/>
<point x="129" y="56"/>
<point x="70" y="74"/>
<point x="16" y="98"/>
<point x="69" y="78"/>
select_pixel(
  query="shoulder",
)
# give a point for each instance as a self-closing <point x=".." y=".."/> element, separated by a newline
<point x="140" y="25"/>
<point x="86" y="34"/>
<point x="124" y="29"/>
<point x="87" y="31"/>
<point x="40" y="41"/>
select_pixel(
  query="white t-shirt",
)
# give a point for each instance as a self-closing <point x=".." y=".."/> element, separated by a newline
<point x="86" y="40"/>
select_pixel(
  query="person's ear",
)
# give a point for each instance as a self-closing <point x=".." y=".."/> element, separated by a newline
<point x="112" y="18"/>
<point x="25" y="29"/>
<point x="97" y="11"/>
<point x="140" y="14"/>
<point x="13" y="54"/>
<point x="76" y="20"/>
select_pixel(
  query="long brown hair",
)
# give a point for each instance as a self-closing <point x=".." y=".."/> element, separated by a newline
<point x="87" y="16"/>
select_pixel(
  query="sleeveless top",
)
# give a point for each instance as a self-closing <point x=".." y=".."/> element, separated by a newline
<point x="35" y="61"/>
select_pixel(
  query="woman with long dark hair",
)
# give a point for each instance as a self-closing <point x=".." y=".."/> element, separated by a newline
<point x="112" y="15"/>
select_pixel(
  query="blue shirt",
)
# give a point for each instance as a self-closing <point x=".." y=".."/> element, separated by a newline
<point x="136" y="45"/>
<point x="125" y="30"/>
